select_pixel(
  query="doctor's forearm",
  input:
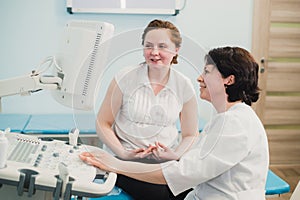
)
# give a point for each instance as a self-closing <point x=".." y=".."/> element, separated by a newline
<point x="150" y="173"/>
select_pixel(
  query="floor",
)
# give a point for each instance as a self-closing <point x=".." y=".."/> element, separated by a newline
<point x="291" y="174"/>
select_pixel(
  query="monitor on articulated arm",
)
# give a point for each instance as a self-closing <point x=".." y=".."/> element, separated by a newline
<point x="77" y="67"/>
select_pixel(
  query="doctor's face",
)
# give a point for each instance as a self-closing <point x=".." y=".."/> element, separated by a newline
<point x="211" y="84"/>
<point x="159" y="50"/>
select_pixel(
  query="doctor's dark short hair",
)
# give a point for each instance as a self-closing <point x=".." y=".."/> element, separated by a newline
<point x="240" y="63"/>
<point x="175" y="36"/>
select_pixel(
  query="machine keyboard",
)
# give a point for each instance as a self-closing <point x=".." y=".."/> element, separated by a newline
<point x="22" y="152"/>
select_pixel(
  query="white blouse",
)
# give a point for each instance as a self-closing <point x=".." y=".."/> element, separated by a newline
<point x="230" y="161"/>
<point x="144" y="117"/>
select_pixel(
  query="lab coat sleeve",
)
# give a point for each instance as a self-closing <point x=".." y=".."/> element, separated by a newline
<point x="224" y="146"/>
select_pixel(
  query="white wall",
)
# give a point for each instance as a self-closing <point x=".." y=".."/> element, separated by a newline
<point x="30" y="32"/>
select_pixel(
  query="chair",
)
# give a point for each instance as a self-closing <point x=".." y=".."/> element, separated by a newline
<point x="275" y="186"/>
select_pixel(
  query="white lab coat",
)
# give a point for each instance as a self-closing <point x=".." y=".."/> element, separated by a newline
<point x="230" y="160"/>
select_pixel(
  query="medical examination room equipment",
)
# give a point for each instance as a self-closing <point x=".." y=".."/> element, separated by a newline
<point x="50" y="169"/>
<point x="44" y="168"/>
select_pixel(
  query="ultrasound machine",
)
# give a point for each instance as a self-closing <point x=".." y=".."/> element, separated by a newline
<point x="44" y="168"/>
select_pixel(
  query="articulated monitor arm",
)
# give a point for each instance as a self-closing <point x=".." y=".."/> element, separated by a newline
<point x="25" y="85"/>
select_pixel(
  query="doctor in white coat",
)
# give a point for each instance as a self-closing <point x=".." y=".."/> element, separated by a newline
<point x="230" y="159"/>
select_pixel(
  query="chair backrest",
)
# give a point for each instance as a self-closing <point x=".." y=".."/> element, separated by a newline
<point x="296" y="193"/>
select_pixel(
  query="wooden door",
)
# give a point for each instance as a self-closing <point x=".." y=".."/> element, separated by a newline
<point x="276" y="45"/>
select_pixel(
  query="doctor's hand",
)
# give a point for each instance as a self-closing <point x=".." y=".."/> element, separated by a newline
<point x="101" y="159"/>
<point x="163" y="153"/>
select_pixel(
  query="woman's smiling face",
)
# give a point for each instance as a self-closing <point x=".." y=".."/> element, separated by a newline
<point x="159" y="50"/>
<point x="211" y="84"/>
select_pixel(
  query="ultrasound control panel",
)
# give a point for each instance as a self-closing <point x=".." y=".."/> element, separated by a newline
<point x="34" y="164"/>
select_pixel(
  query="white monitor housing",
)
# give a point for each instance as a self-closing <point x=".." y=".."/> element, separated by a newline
<point x="82" y="59"/>
<point x="77" y="67"/>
